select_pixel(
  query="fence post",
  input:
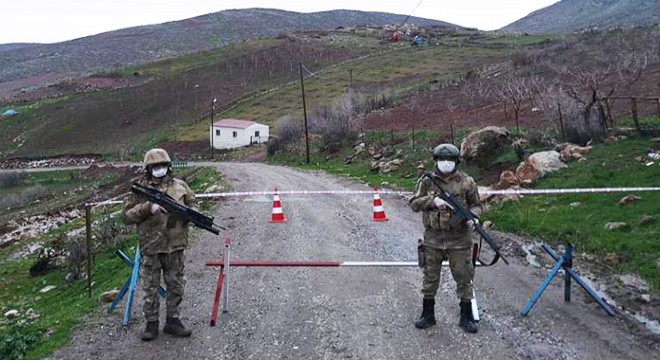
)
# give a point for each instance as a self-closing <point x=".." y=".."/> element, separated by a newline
<point x="561" y="122"/>
<point x="88" y="233"/>
<point x="413" y="138"/>
<point x="633" y="107"/>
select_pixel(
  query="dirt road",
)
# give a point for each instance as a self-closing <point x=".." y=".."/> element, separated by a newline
<point x="352" y="313"/>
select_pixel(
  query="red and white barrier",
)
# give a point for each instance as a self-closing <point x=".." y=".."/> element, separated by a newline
<point x="225" y="264"/>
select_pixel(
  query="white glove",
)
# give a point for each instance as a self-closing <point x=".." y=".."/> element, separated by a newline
<point x="472" y="223"/>
<point x="441" y="204"/>
<point x="157" y="209"/>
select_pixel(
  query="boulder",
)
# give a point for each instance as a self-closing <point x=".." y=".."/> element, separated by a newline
<point x="629" y="199"/>
<point x="11" y="314"/>
<point x="214" y="189"/>
<point x="109" y="296"/>
<point x="47" y="288"/>
<point x="484" y="144"/>
<point x="538" y="165"/>
<point x="646" y="219"/>
<point x="615" y="226"/>
<point x="508" y="180"/>
<point x="570" y="151"/>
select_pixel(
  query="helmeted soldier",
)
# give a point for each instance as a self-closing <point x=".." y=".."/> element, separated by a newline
<point x="163" y="238"/>
<point x="441" y="241"/>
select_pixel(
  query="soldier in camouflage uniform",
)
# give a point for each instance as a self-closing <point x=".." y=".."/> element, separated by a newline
<point x="163" y="238"/>
<point x="441" y="242"/>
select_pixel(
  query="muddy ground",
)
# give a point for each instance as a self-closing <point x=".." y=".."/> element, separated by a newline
<point x="354" y="313"/>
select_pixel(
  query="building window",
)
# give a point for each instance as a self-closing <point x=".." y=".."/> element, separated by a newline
<point x="256" y="134"/>
<point x="235" y="134"/>
<point x="217" y="132"/>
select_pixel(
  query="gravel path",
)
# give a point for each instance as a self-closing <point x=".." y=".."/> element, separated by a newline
<point x="347" y="312"/>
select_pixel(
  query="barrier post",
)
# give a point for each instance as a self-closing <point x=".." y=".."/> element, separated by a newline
<point x="565" y="262"/>
<point x="130" y="285"/>
<point x="224" y="268"/>
<point x="88" y="245"/>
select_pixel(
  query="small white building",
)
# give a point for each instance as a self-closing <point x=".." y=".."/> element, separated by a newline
<point x="234" y="133"/>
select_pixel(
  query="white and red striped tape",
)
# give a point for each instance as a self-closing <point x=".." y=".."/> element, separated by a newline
<point x="408" y="193"/>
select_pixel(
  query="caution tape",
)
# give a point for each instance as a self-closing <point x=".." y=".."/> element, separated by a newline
<point x="408" y="193"/>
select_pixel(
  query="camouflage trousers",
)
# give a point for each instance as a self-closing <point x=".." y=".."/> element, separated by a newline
<point x="171" y="266"/>
<point x="460" y="264"/>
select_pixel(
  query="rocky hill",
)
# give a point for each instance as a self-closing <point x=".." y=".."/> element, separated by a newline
<point x="144" y="44"/>
<point x="571" y="15"/>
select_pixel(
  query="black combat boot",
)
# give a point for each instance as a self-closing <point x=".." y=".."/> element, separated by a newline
<point x="173" y="326"/>
<point x="151" y="332"/>
<point x="428" y="315"/>
<point x="467" y="320"/>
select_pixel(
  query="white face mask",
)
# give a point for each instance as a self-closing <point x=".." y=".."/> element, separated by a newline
<point x="446" y="167"/>
<point x="159" y="171"/>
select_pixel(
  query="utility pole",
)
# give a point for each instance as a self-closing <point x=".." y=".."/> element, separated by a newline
<point x="302" y="86"/>
<point x="212" y="129"/>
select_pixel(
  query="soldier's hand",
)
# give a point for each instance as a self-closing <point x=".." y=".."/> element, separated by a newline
<point x="472" y="223"/>
<point x="157" y="209"/>
<point x="441" y="204"/>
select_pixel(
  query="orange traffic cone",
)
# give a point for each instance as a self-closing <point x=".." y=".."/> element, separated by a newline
<point x="379" y="212"/>
<point x="278" y="214"/>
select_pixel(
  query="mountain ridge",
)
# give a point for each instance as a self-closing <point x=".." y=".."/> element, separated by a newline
<point x="148" y="43"/>
<point x="572" y="15"/>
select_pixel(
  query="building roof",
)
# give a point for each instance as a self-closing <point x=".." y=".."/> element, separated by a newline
<point x="234" y="123"/>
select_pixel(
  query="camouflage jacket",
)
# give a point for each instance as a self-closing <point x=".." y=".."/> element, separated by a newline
<point x="160" y="233"/>
<point x="437" y="232"/>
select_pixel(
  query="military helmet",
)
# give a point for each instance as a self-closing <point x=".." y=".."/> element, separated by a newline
<point x="156" y="156"/>
<point x="447" y="151"/>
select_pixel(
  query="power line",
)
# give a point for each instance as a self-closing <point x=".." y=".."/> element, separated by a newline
<point x="413" y="10"/>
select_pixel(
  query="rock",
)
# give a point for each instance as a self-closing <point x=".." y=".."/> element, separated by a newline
<point x="487" y="224"/>
<point x="634" y="281"/>
<point x="485" y="143"/>
<point x="646" y="298"/>
<point x="28" y="235"/>
<point x="47" y="288"/>
<point x="611" y="140"/>
<point x="538" y="165"/>
<point x="483" y="197"/>
<point x="11" y="314"/>
<point x="615" y="226"/>
<point x="109" y="296"/>
<point x="31" y="314"/>
<point x="385" y="167"/>
<point x="570" y="152"/>
<point x="575" y="204"/>
<point x="612" y="259"/>
<point x="420" y="169"/>
<point x="629" y="199"/>
<point x="11" y="226"/>
<point x="508" y="180"/>
<point x="646" y="219"/>
<point x="70" y="277"/>
<point x="214" y="189"/>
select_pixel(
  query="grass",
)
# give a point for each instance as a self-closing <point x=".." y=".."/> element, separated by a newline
<point x="580" y="219"/>
<point x="386" y="70"/>
<point x="60" y="310"/>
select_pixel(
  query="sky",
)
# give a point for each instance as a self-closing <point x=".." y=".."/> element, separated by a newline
<point x="49" y="21"/>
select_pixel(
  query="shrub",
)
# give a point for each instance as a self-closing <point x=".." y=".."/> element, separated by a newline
<point x="9" y="179"/>
<point x="24" y="197"/>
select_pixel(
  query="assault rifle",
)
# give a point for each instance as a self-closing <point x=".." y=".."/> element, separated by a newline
<point x="461" y="214"/>
<point x="172" y="206"/>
